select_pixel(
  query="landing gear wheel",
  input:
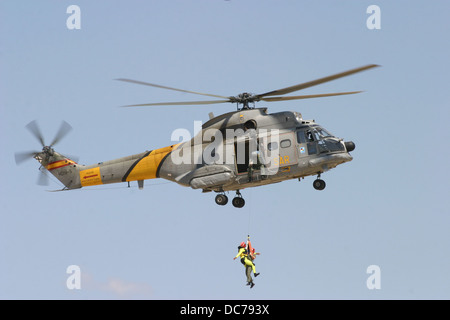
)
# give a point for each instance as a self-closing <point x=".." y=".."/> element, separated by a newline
<point x="238" y="202"/>
<point x="221" y="199"/>
<point x="319" y="184"/>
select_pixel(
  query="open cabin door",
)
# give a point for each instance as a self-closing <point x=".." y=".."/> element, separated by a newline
<point x="242" y="155"/>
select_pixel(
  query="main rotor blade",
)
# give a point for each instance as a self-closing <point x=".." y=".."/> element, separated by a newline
<point x="23" y="156"/>
<point x="271" y="99"/>
<point x="316" y="82"/>
<point x="185" y="103"/>
<point x="169" y="88"/>
<point x="34" y="129"/>
<point x="64" y="129"/>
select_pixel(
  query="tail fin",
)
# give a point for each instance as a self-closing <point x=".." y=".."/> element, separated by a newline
<point x="63" y="168"/>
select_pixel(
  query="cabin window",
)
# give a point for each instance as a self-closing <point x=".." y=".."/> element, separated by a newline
<point x="272" y="146"/>
<point x="285" y="143"/>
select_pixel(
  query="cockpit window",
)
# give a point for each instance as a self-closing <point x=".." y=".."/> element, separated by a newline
<point x="313" y="134"/>
<point x="301" y="138"/>
<point x="323" y="133"/>
<point x="317" y="139"/>
<point x="310" y="135"/>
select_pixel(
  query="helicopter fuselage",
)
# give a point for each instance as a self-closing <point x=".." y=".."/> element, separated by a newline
<point x="251" y="148"/>
<point x="233" y="151"/>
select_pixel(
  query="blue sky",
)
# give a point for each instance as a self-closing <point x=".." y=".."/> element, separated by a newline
<point x="388" y="207"/>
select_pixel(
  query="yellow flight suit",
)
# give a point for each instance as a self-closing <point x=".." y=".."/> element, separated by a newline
<point x="244" y="259"/>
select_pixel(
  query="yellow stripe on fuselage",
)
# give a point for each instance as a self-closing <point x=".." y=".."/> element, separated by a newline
<point x="147" y="167"/>
<point x="90" y="177"/>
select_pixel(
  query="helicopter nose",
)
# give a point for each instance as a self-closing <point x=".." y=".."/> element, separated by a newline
<point x="350" y="146"/>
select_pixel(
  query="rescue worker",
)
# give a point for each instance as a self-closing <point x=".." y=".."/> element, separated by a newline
<point x="251" y="250"/>
<point x="252" y="256"/>
<point x="244" y="254"/>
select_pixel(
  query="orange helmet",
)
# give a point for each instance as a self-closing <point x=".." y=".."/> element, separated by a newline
<point x="242" y="245"/>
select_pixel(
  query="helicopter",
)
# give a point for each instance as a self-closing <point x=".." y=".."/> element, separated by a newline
<point x="242" y="149"/>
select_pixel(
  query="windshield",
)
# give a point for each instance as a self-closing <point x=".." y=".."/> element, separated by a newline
<point x="322" y="133"/>
<point x="318" y="136"/>
<point x="313" y="134"/>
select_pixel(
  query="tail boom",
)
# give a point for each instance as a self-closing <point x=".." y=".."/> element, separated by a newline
<point x="137" y="167"/>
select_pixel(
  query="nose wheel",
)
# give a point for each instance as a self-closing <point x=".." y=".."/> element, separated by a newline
<point x="319" y="184"/>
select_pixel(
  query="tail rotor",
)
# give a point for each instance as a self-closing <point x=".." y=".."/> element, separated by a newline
<point x="47" y="151"/>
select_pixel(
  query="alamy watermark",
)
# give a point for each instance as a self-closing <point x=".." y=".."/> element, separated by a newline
<point x="374" y="280"/>
<point x="373" y="22"/>
<point x="228" y="146"/>
<point x="73" y="22"/>
<point x="74" y="280"/>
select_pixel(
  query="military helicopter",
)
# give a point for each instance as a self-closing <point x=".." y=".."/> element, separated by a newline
<point x="242" y="149"/>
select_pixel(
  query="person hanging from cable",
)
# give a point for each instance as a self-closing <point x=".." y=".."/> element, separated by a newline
<point x="252" y="252"/>
<point x="248" y="264"/>
<point x="252" y="256"/>
<point x="244" y="254"/>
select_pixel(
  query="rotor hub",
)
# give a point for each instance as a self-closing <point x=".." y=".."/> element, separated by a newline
<point x="245" y="99"/>
<point x="48" y="150"/>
